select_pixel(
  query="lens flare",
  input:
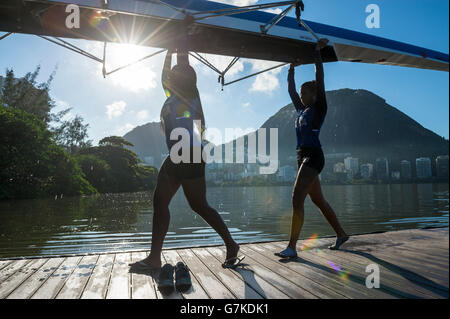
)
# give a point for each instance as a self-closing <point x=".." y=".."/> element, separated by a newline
<point x="338" y="268"/>
<point x="167" y="92"/>
<point x="309" y="242"/>
<point x="344" y="275"/>
<point x="187" y="114"/>
<point x="97" y="20"/>
<point x="335" y="267"/>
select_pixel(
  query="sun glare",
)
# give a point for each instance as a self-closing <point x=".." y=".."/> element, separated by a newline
<point x="139" y="76"/>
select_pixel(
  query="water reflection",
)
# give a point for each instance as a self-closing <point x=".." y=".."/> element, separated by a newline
<point x="115" y="222"/>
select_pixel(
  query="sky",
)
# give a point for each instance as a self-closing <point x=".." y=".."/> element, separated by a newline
<point x="134" y="96"/>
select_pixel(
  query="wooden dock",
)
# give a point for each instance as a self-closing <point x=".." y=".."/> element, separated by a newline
<point x="412" y="264"/>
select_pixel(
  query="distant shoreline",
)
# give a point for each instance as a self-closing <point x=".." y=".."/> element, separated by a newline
<point x="236" y="184"/>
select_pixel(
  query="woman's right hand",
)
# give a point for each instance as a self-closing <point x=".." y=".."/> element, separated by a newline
<point x="293" y="65"/>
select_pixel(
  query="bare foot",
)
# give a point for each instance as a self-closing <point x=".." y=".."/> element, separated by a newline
<point x="150" y="261"/>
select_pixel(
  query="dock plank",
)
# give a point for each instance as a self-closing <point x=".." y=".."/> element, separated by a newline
<point x="276" y="280"/>
<point x="229" y="279"/>
<point x="50" y="288"/>
<point x="409" y="244"/>
<point x="265" y="289"/>
<point x="196" y="291"/>
<point x="395" y="275"/>
<point x="212" y="285"/>
<point x="142" y="285"/>
<point x="413" y="264"/>
<point x="357" y="264"/>
<point x="416" y="269"/>
<point x="4" y="263"/>
<point x="119" y="285"/>
<point x="154" y="279"/>
<point x="29" y="286"/>
<point x="324" y="273"/>
<point x="97" y="284"/>
<point x="11" y="268"/>
<point x="13" y="281"/>
<point x="410" y="262"/>
<point x="301" y="281"/>
<point x="355" y="272"/>
<point x="74" y="285"/>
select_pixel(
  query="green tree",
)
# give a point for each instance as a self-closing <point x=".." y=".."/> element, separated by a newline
<point x="114" y="141"/>
<point x="31" y="164"/>
<point x="147" y="176"/>
<point x="126" y="169"/>
<point x="64" y="174"/>
<point x="97" y="172"/>
<point x="28" y="95"/>
<point x="72" y="134"/>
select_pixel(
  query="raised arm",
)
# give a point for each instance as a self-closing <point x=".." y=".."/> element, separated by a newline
<point x="200" y="116"/>
<point x="182" y="56"/>
<point x="321" y="98"/>
<point x="182" y="44"/>
<point x="166" y="70"/>
<point x="292" y="90"/>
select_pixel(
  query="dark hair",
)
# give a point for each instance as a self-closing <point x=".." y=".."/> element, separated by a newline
<point x="183" y="81"/>
<point x="310" y="85"/>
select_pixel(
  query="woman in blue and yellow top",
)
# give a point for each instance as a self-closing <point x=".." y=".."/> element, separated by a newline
<point x="181" y="108"/>
<point x="311" y="107"/>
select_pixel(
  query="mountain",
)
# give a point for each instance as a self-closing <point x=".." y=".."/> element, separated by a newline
<point x="363" y="124"/>
<point x="148" y="142"/>
<point x="357" y="122"/>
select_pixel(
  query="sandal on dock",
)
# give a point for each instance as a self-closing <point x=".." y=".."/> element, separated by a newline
<point x="165" y="280"/>
<point x="339" y="241"/>
<point x="231" y="262"/>
<point x="182" y="277"/>
<point x="287" y="253"/>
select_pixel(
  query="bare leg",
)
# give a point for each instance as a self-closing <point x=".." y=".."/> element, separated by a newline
<point x="166" y="187"/>
<point x="305" y="177"/>
<point x="316" y="196"/>
<point x="195" y="192"/>
<point x="315" y="193"/>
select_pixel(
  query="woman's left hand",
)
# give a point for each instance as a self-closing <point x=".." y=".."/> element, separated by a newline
<point x="293" y="65"/>
<point x="322" y="43"/>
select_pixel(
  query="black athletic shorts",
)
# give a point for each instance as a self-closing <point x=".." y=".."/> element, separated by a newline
<point x="311" y="157"/>
<point x="181" y="170"/>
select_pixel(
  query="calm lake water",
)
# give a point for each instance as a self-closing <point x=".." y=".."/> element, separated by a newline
<point x="117" y="222"/>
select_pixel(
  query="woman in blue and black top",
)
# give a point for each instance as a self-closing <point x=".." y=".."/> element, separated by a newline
<point x="311" y="107"/>
<point x="183" y="110"/>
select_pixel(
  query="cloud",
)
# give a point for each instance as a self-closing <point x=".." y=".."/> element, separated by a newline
<point x="122" y="130"/>
<point x="268" y="81"/>
<point x="273" y="10"/>
<point x="242" y="3"/>
<point x="246" y="104"/>
<point x="61" y="105"/>
<point x="259" y="65"/>
<point x="220" y="62"/>
<point x="239" y="3"/>
<point x="143" y="114"/>
<point x="115" y="109"/>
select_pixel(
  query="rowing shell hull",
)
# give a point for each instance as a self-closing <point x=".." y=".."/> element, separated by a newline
<point x="149" y="23"/>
